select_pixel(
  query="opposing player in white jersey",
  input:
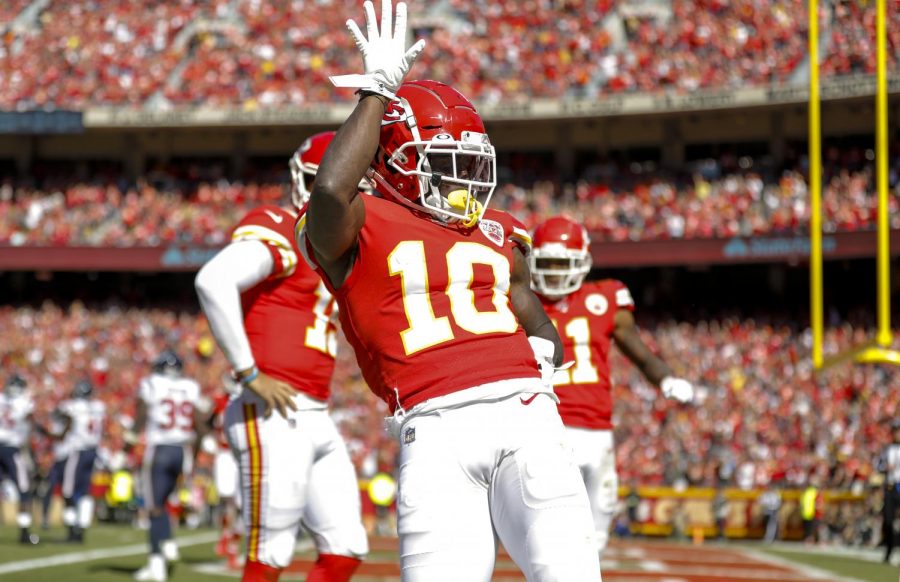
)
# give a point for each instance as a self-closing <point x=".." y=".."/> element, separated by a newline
<point x="16" y="407"/>
<point x="84" y="420"/>
<point x="169" y="410"/>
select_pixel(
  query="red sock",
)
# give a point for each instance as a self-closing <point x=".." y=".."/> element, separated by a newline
<point x="259" y="572"/>
<point x="333" y="568"/>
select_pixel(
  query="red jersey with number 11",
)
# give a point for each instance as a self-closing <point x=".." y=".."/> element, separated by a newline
<point x="586" y="321"/>
<point x="426" y="306"/>
<point x="288" y="316"/>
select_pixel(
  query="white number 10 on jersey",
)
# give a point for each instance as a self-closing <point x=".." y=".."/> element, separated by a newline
<point x="425" y="329"/>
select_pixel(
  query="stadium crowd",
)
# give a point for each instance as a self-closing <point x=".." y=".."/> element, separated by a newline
<point x="760" y="416"/>
<point x="257" y="53"/>
<point x="720" y="198"/>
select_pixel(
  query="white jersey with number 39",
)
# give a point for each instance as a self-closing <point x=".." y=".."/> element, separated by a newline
<point x="171" y="402"/>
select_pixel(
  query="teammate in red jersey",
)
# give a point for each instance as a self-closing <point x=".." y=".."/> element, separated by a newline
<point x="589" y="317"/>
<point x="434" y="296"/>
<point x="273" y="319"/>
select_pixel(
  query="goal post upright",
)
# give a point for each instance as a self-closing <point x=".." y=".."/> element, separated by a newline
<point x="878" y="350"/>
<point x="817" y="309"/>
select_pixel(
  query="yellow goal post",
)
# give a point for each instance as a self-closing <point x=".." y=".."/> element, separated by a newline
<point x="879" y="349"/>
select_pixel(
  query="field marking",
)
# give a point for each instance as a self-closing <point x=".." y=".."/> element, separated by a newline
<point x="101" y="554"/>
<point x="805" y="569"/>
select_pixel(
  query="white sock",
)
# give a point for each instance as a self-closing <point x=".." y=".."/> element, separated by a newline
<point x="157" y="563"/>
<point x="23" y="519"/>
<point x="70" y="516"/>
<point x="85" y="511"/>
<point x="602" y="524"/>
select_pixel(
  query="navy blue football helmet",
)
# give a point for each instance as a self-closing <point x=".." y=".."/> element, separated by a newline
<point x="15" y="385"/>
<point x="83" y="389"/>
<point x="168" y="362"/>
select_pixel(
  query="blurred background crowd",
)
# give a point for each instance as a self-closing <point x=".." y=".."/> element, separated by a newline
<point x="256" y="54"/>
<point x="712" y="198"/>
<point x="760" y="416"/>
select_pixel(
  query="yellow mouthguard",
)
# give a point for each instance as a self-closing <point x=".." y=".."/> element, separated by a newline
<point x="457" y="201"/>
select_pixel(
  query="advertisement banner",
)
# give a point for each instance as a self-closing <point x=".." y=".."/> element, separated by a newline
<point x="733" y="513"/>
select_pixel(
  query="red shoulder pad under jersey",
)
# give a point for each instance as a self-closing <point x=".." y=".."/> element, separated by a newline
<point x="274" y="227"/>
<point x="498" y="225"/>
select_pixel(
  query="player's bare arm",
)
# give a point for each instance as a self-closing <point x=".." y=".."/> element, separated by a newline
<point x="528" y="309"/>
<point x="336" y="213"/>
<point x="201" y="428"/>
<point x="67" y="426"/>
<point x="650" y="365"/>
<point x="140" y="416"/>
<point x="629" y="341"/>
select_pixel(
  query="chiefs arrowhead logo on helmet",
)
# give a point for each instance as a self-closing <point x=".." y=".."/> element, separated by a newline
<point x="395" y="113"/>
<point x="560" y="258"/>
<point x="434" y="153"/>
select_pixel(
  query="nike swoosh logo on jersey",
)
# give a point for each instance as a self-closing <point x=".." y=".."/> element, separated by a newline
<point x="527" y="401"/>
<point x="277" y="218"/>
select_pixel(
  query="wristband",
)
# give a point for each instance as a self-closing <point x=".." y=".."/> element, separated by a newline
<point x="246" y="376"/>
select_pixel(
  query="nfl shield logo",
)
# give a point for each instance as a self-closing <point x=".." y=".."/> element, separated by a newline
<point x="493" y="230"/>
<point x="409" y="436"/>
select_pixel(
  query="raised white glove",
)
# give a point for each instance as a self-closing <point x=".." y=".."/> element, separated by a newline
<point x="677" y="389"/>
<point x="543" y="353"/>
<point x="385" y="57"/>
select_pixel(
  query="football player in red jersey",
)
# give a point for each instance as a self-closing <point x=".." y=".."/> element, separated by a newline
<point x="589" y="317"/>
<point x="435" y="298"/>
<point x="273" y="318"/>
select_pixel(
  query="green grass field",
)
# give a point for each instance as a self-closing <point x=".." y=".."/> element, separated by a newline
<point x="113" y="553"/>
<point x="842" y="565"/>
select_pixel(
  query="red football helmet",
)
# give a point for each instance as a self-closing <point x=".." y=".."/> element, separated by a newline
<point x="305" y="163"/>
<point x="434" y="153"/>
<point x="560" y="258"/>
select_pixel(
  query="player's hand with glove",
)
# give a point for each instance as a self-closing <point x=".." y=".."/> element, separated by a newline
<point x="275" y="393"/>
<point x="385" y="56"/>
<point x="543" y="353"/>
<point x="677" y="389"/>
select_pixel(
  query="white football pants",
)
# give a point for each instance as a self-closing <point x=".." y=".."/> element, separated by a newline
<point x="489" y="469"/>
<point x="595" y="456"/>
<point x="291" y="470"/>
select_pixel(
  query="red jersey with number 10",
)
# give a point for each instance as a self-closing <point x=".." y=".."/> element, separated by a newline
<point x="426" y="306"/>
<point x="586" y="321"/>
<point x="288" y="316"/>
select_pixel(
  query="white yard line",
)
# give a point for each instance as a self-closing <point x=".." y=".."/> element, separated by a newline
<point x="805" y="569"/>
<point x="101" y="554"/>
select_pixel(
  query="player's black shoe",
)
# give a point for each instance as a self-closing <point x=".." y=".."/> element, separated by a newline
<point x="76" y="535"/>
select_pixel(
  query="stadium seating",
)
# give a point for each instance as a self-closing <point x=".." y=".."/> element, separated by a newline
<point x="257" y="53"/>
<point x="634" y="206"/>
